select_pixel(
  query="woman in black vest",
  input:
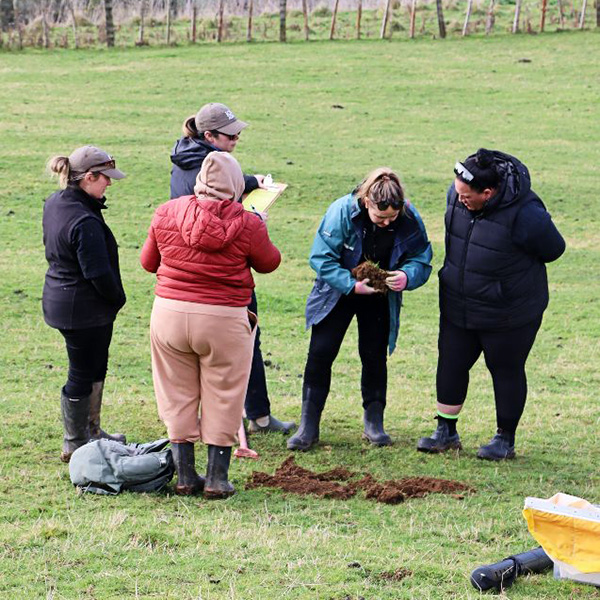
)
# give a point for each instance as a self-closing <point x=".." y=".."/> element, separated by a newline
<point x="493" y="292"/>
<point x="82" y="291"/>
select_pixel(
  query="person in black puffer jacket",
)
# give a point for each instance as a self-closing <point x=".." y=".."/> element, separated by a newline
<point x="493" y="292"/>
<point x="82" y="290"/>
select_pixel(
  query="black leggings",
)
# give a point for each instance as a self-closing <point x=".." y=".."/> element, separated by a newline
<point x="88" y="358"/>
<point x="372" y="315"/>
<point x="505" y="355"/>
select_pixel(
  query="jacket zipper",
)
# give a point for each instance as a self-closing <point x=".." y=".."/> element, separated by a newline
<point x="463" y="263"/>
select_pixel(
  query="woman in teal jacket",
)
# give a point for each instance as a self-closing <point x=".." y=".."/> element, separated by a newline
<point x="374" y="223"/>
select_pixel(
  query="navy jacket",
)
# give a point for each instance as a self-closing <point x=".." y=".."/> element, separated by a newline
<point x="83" y="285"/>
<point x="337" y="249"/>
<point x="494" y="273"/>
<point x="187" y="157"/>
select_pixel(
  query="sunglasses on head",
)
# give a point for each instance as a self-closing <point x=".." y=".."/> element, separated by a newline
<point x="230" y="137"/>
<point x="462" y="171"/>
<point x="109" y="164"/>
<point x="385" y="204"/>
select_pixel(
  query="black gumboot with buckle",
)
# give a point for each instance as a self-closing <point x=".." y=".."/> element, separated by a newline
<point x="373" y="421"/>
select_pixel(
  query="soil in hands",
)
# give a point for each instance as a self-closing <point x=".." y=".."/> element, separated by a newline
<point x="341" y="484"/>
<point x="376" y="276"/>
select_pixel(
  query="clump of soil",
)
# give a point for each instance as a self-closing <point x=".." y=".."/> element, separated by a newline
<point x="397" y="575"/>
<point x="337" y="483"/>
<point x="376" y="276"/>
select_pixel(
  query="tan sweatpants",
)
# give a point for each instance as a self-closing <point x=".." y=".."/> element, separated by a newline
<point x="201" y="358"/>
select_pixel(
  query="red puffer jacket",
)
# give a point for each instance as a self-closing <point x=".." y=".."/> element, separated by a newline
<point x="202" y="251"/>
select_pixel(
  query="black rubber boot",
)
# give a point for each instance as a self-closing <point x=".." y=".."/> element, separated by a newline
<point x="217" y="485"/>
<point x="440" y="440"/>
<point x="75" y="416"/>
<point x="313" y="402"/>
<point x="373" y="420"/>
<point x="96" y="432"/>
<point x="502" y="447"/>
<point x="189" y="482"/>
<point x="274" y="424"/>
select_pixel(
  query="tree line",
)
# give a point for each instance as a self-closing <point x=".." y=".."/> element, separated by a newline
<point x="18" y="17"/>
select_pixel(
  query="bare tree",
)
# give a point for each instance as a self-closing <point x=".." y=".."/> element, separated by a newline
<point x="467" y="17"/>
<point x="7" y="14"/>
<point x="561" y="13"/>
<point x="110" y="25"/>
<point x="582" y="15"/>
<point x="489" y="23"/>
<point x="282" y="20"/>
<point x="440" y="18"/>
<point x="73" y="22"/>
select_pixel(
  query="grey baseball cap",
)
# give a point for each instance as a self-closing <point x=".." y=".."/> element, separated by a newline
<point x="91" y="159"/>
<point x="217" y="117"/>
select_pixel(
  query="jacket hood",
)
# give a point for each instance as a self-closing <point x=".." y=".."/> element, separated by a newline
<point x="515" y="182"/>
<point x="188" y="153"/>
<point x="209" y="225"/>
<point x="220" y="178"/>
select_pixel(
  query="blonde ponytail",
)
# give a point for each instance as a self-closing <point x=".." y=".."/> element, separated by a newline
<point x="59" y="165"/>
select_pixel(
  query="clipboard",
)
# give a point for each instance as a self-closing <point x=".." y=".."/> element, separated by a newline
<point x="260" y="199"/>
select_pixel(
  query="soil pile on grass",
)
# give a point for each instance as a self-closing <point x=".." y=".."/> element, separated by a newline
<point x="376" y="276"/>
<point x="337" y="483"/>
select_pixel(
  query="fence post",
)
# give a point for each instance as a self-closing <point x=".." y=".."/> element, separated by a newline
<point x="386" y="14"/>
<point x="515" y="27"/>
<point x="467" y="17"/>
<point x="358" y="18"/>
<point x="249" y="28"/>
<point x="282" y="20"/>
<point x="440" y="18"/>
<point x="582" y="15"/>
<point x="193" y="23"/>
<point x="305" y="15"/>
<point x="543" y="15"/>
<point x="333" y="19"/>
<point x="220" y="25"/>
<point x="110" y="25"/>
<point x="413" y="16"/>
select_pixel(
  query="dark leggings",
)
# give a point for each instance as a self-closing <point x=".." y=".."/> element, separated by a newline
<point x="372" y="315"/>
<point x="505" y="354"/>
<point x="88" y="358"/>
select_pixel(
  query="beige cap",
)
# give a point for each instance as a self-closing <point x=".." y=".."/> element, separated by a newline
<point x="217" y="117"/>
<point x="91" y="159"/>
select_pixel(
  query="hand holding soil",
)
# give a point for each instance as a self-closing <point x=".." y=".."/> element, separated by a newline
<point x="369" y="272"/>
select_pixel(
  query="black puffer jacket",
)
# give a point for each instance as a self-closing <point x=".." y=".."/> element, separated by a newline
<point x="187" y="156"/>
<point x="494" y="273"/>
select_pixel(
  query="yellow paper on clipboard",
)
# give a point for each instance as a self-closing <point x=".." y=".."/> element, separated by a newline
<point x="260" y="199"/>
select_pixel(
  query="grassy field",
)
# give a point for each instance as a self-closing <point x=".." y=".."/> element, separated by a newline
<point x="321" y="116"/>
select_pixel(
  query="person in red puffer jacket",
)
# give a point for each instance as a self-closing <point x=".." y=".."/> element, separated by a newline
<point x="202" y="248"/>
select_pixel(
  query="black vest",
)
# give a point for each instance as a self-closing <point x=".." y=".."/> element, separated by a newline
<point x="69" y="301"/>
<point x="487" y="282"/>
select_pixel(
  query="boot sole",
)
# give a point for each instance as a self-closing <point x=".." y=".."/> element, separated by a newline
<point x="303" y="448"/>
<point x="214" y="495"/>
<point x="496" y="458"/>
<point x="377" y="444"/>
<point x="440" y="450"/>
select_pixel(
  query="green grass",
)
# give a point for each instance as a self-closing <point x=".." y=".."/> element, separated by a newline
<point x="416" y="107"/>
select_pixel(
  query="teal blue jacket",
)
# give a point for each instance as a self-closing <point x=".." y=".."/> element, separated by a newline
<point x="337" y="249"/>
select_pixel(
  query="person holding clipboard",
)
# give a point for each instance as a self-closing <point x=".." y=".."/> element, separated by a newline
<point x="215" y="128"/>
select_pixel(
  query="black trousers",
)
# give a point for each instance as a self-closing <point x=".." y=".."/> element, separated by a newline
<point x="372" y="315"/>
<point x="88" y="358"/>
<point x="257" y="402"/>
<point x="505" y="354"/>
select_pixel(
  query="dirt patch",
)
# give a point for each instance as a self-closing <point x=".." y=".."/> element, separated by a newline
<point x="376" y="276"/>
<point x="341" y="484"/>
<point x="397" y="575"/>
